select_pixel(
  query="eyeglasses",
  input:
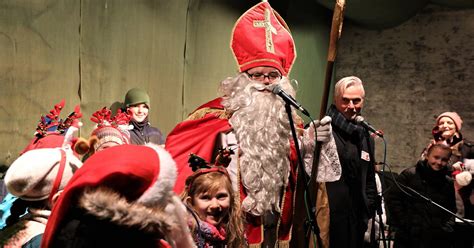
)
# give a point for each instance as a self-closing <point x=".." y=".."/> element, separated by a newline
<point x="272" y="76"/>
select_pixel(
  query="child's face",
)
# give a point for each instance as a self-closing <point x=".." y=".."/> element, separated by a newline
<point x="438" y="158"/>
<point x="212" y="208"/>
<point x="139" y="112"/>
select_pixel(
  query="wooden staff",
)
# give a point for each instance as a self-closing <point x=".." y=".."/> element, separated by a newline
<point x="301" y="234"/>
<point x="318" y="190"/>
<point x="336" y="31"/>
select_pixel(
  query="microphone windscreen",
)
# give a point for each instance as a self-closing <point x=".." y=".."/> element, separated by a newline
<point x="359" y="119"/>
<point x="276" y="89"/>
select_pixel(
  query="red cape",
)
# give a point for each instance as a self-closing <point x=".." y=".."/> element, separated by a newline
<point x="195" y="136"/>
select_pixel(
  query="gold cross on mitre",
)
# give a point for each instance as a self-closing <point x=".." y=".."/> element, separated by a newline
<point x="269" y="29"/>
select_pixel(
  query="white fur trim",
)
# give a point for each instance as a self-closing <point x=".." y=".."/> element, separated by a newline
<point x="181" y="236"/>
<point x="158" y="192"/>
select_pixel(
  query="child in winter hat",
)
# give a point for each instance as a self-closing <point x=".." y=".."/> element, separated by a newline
<point x="123" y="197"/>
<point x="37" y="177"/>
<point x="110" y="131"/>
<point x="28" y="178"/>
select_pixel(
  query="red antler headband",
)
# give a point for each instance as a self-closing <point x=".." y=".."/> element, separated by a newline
<point x="200" y="167"/>
<point x="51" y="123"/>
<point x="104" y="118"/>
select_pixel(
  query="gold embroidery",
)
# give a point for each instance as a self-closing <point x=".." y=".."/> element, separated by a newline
<point x="269" y="29"/>
<point x="283" y="243"/>
<point x="200" y="113"/>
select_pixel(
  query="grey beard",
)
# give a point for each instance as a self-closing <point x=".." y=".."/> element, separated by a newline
<point x="262" y="129"/>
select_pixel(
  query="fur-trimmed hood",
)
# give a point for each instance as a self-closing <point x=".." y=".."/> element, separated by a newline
<point x="105" y="204"/>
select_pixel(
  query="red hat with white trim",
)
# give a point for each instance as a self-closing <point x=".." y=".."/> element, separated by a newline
<point x="140" y="174"/>
<point x="261" y="38"/>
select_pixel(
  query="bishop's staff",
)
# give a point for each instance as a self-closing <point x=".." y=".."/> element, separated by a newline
<point x="319" y="189"/>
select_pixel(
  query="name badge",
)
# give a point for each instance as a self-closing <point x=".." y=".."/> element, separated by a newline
<point x="365" y="156"/>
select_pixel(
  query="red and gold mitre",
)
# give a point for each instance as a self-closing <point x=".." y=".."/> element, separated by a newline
<point x="261" y="38"/>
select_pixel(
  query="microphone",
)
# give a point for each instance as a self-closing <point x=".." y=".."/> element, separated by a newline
<point x="360" y="120"/>
<point x="277" y="90"/>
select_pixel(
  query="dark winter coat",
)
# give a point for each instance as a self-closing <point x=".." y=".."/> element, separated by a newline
<point x="351" y="198"/>
<point x="419" y="223"/>
<point x="143" y="133"/>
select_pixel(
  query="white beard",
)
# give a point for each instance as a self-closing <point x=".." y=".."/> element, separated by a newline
<point x="263" y="132"/>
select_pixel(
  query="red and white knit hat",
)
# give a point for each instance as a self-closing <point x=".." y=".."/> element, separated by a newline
<point x="261" y="38"/>
<point x="108" y="129"/>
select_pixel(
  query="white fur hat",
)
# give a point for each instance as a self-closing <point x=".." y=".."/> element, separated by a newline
<point x="32" y="175"/>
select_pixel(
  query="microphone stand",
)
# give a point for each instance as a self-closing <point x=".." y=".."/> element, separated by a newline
<point x="382" y="182"/>
<point x="436" y="204"/>
<point x="308" y="201"/>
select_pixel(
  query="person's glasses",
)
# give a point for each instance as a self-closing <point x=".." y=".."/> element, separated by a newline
<point x="272" y="76"/>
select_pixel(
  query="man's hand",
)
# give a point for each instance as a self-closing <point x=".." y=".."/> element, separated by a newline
<point x="323" y="129"/>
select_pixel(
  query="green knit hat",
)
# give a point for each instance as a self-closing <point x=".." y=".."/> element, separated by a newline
<point x="136" y="96"/>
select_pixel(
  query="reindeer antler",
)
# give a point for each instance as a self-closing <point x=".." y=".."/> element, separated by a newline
<point x="50" y="120"/>
<point x="121" y="118"/>
<point x="103" y="118"/>
<point x="71" y="120"/>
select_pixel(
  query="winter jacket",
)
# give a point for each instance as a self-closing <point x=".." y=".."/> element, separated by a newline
<point x="27" y="229"/>
<point x="143" y="133"/>
<point x="420" y="223"/>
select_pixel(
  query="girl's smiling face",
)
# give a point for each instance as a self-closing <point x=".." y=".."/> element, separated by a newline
<point x="438" y="158"/>
<point x="212" y="207"/>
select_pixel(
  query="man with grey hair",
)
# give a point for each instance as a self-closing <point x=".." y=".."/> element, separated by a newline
<point x="352" y="197"/>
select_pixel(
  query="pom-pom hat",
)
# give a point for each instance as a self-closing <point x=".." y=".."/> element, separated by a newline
<point x="110" y="129"/>
<point x="261" y="38"/>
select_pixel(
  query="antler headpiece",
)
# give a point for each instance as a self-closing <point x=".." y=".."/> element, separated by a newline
<point x="51" y="123"/>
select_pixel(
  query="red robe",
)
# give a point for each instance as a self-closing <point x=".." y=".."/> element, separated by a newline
<point x="198" y="135"/>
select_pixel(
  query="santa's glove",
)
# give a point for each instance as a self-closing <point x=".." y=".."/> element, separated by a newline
<point x="323" y="129"/>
